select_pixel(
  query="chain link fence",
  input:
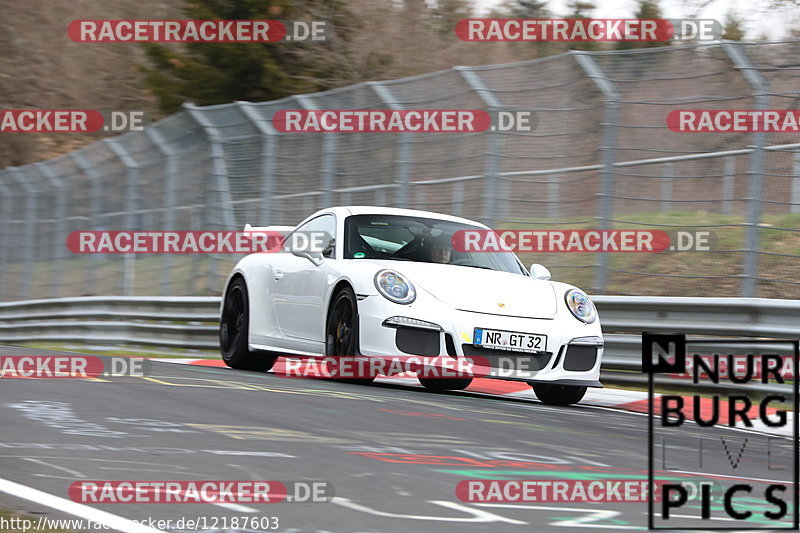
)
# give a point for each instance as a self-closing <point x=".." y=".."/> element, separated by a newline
<point x="601" y="156"/>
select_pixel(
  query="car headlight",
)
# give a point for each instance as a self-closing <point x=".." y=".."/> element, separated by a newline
<point x="580" y="306"/>
<point x="395" y="287"/>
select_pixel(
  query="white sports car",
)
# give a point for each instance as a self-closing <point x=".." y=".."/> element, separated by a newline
<point x="388" y="284"/>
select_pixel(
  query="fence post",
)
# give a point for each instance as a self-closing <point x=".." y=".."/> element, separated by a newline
<point x="308" y="206"/>
<point x="607" y="184"/>
<point x="795" y="207"/>
<point x="755" y="174"/>
<point x="403" y="162"/>
<point x="6" y="201"/>
<point x="170" y="186"/>
<point x="268" y="141"/>
<point x="666" y="187"/>
<point x="28" y="248"/>
<point x="380" y="197"/>
<point x="728" y="183"/>
<point x="221" y="187"/>
<point x="553" y="196"/>
<point x="131" y="197"/>
<point x="458" y="199"/>
<point x="328" y="163"/>
<point x="59" y="228"/>
<point x="219" y="169"/>
<point x="493" y="144"/>
<point x="95" y="208"/>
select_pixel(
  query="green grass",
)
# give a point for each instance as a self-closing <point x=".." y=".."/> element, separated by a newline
<point x="647" y="273"/>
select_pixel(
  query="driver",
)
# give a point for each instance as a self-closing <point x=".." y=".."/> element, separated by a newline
<point x="441" y="251"/>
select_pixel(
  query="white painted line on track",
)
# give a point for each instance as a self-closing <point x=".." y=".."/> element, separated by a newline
<point x="73" y="473"/>
<point x="763" y="480"/>
<point x="236" y="507"/>
<point x="76" y="509"/>
<point x="472" y="515"/>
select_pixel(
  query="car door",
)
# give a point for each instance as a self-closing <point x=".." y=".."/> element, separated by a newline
<point x="299" y="284"/>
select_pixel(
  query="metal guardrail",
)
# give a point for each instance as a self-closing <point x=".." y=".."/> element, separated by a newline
<point x="192" y="323"/>
<point x="746" y="317"/>
<point x="178" y="322"/>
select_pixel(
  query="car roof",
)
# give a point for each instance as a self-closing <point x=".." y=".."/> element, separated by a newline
<point x="374" y="210"/>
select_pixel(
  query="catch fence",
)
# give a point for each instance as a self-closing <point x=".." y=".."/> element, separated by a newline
<point x="601" y="156"/>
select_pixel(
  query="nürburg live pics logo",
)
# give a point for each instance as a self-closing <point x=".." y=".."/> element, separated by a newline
<point x="725" y="421"/>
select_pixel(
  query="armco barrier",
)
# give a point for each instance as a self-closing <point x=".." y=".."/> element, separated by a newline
<point x="192" y="323"/>
<point x="179" y="322"/>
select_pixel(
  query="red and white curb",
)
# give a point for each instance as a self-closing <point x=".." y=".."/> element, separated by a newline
<point x="625" y="400"/>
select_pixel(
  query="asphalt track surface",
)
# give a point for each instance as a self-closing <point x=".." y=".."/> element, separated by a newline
<point x="394" y="453"/>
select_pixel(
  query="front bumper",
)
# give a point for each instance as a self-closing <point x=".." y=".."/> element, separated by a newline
<point x="572" y="356"/>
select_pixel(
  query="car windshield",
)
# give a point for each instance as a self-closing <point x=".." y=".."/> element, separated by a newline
<point x="425" y="240"/>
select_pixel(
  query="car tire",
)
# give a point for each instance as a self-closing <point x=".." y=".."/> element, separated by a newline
<point x="552" y="394"/>
<point x="341" y="332"/>
<point x="234" y="329"/>
<point x="443" y="384"/>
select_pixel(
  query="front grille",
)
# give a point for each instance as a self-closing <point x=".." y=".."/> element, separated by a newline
<point x="416" y="341"/>
<point x="580" y="358"/>
<point x="506" y="359"/>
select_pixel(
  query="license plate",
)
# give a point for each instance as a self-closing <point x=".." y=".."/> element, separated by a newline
<point x="509" y="340"/>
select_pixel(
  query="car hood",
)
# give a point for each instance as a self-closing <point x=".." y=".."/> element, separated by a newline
<point x="481" y="290"/>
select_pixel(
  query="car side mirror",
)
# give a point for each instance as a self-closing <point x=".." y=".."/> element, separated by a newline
<point x="314" y="257"/>
<point x="539" y="272"/>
